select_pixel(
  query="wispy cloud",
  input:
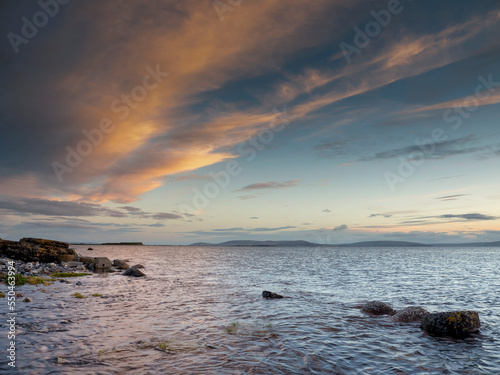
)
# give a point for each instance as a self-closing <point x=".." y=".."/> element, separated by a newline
<point x="265" y="229"/>
<point x="469" y="217"/>
<point x="131" y="209"/>
<point x="247" y="197"/>
<point x="451" y="197"/>
<point x="459" y="146"/>
<point x="271" y="185"/>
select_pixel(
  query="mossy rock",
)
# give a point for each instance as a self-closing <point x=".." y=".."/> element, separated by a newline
<point x="458" y="324"/>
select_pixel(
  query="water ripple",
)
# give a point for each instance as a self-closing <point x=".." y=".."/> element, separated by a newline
<point x="199" y="311"/>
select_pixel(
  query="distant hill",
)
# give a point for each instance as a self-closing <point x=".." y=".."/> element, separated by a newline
<point x="249" y="243"/>
<point x="123" y="243"/>
<point x="385" y="244"/>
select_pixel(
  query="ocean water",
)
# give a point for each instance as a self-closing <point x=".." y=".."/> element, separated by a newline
<point x="200" y="311"/>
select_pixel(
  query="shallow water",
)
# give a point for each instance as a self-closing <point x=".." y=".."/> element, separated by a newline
<point x="200" y="311"/>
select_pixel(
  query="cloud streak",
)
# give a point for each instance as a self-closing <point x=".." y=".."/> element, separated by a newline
<point x="271" y="185"/>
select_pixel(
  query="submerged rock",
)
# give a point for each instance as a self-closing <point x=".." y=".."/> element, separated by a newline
<point x="270" y="295"/>
<point x="410" y="314"/>
<point x="378" y="308"/>
<point x="457" y="324"/>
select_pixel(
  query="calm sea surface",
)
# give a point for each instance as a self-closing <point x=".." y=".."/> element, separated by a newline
<point x="200" y="311"/>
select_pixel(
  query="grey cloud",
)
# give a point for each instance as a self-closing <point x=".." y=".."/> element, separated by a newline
<point x="254" y="217"/>
<point x="326" y="210"/>
<point x="451" y="197"/>
<point x="474" y="216"/>
<point x="51" y="224"/>
<point x="36" y="206"/>
<point x="340" y="228"/>
<point x="131" y="209"/>
<point x="163" y="216"/>
<point x="270" y="229"/>
<point x="383" y="215"/>
<point x="271" y="185"/>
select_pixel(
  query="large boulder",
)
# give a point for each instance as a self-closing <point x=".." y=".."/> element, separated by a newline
<point x="102" y="264"/>
<point x="378" y="308"/>
<point x="270" y="295"/>
<point x="37" y="250"/>
<point x="457" y="324"/>
<point x="410" y="314"/>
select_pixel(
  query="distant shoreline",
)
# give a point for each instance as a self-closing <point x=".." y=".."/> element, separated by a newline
<point x="244" y="243"/>
<point x="111" y="243"/>
<point x="299" y="243"/>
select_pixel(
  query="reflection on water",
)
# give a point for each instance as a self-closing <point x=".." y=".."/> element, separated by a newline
<point x="200" y="311"/>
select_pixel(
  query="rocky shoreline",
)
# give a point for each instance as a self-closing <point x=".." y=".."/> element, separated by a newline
<point x="41" y="257"/>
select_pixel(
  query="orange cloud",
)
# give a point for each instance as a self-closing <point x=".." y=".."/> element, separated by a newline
<point x="200" y="53"/>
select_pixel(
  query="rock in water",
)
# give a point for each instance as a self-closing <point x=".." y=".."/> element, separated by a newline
<point x="271" y="295"/>
<point x="410" y="314"/>
<point x="102" y="263"/>
<point x="121" y="264"/>
<point x="378" y="308"/>
<point x="134" y="272"/>
<point x="457" y="324"/>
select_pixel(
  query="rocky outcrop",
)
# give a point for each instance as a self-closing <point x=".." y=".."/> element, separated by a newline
<point x="37" y="250"/>
<point x="378" y="308"/>
<point x="410" y="315"/>
<point x="457" y="324"/>
<point x="270" y="295"/>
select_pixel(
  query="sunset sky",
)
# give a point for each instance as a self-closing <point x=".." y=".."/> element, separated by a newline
<point x="173" y="122"/>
